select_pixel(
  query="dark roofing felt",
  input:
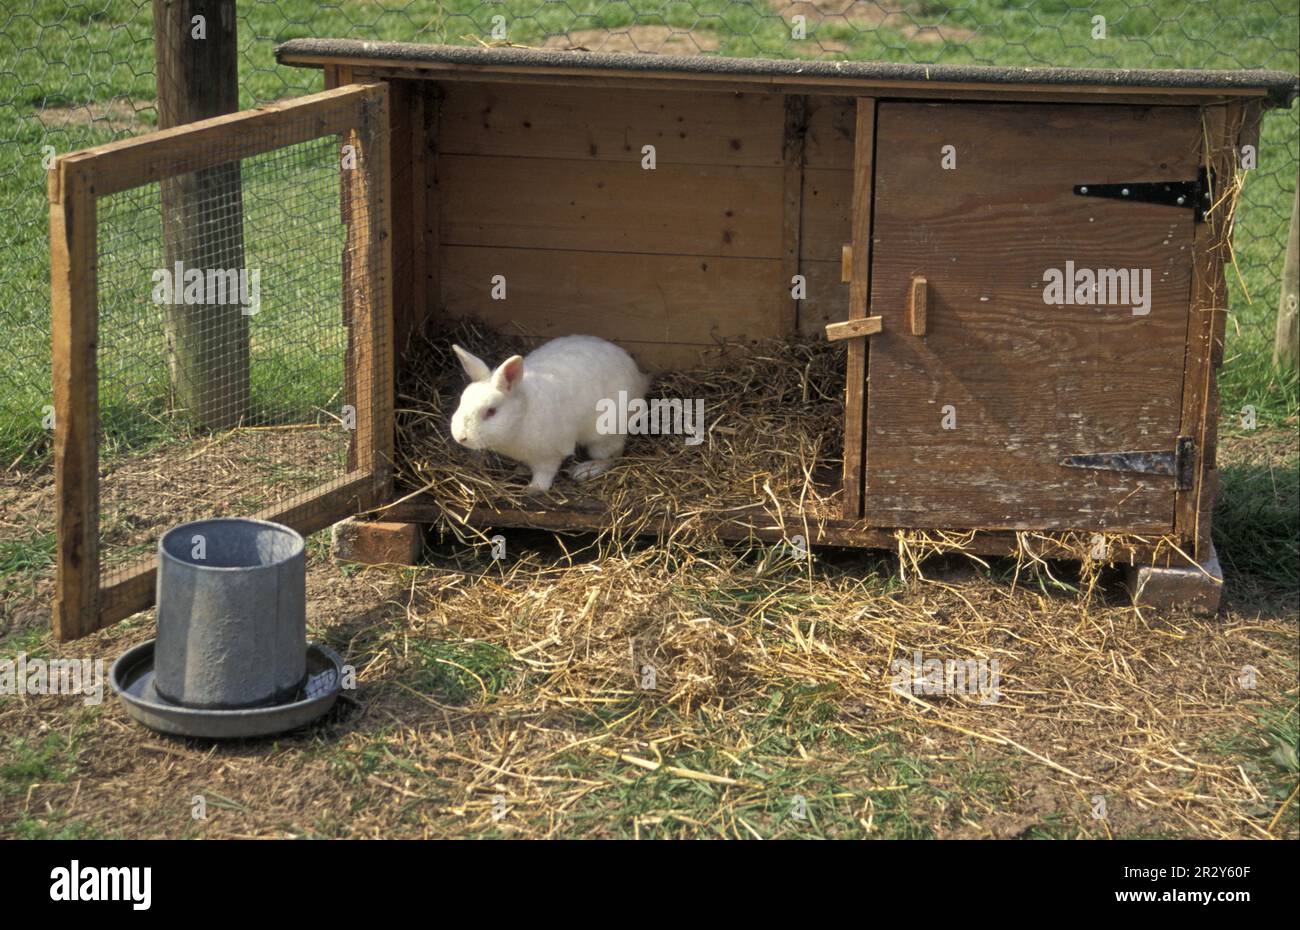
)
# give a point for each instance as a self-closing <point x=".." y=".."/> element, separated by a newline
<point x="1280" y="86"/>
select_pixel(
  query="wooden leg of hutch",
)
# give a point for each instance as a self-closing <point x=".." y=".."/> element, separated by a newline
<point x="374" y="542"/>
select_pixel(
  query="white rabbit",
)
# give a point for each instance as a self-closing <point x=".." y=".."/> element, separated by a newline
<point x="538" y="409"/>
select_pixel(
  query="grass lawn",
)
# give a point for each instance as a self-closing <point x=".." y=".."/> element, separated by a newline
<point x="66" y="62"/>
<point x="73" y="61"/>
<point x="500" y="701"/>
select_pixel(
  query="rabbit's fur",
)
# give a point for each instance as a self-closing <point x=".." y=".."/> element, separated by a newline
<point x="538" y="409"/>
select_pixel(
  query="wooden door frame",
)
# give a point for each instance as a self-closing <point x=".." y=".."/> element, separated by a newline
<point x="1224" y="130"/>
<point x="859" y="275"/>
<point x="359" y="113"/>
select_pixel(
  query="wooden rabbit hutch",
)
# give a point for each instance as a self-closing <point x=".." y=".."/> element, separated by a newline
<point x="1023" y="269"/>
<point x="923" y="206"/>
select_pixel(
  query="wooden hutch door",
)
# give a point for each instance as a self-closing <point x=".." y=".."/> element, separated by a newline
<point x="1014" y="397"/>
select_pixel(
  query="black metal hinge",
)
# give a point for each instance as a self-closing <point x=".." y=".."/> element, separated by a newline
<point x="1194" y="195"/>
<point x="1180" y="464"/>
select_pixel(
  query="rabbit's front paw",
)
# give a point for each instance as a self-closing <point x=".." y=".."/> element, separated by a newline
<point x="585" y="471"/>
<point x="543" y="477"/>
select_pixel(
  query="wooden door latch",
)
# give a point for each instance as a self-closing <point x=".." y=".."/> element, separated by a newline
<point x="869" y="326"/>
<point x="850" y="329"/>
<point x="916" y="298"/>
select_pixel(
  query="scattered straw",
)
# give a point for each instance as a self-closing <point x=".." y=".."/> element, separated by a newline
<point x="771" y="459"/>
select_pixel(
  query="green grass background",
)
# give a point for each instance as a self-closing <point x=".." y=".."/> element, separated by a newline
<point x="93" y="54"/>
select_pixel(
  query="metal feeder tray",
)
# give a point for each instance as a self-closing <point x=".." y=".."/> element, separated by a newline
<point x="132" y="679"/>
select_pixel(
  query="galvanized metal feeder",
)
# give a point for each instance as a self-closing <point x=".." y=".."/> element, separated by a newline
<point x="231" y="658"/>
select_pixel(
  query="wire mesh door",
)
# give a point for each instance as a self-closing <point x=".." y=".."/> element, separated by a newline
<point x="222" y="342"/>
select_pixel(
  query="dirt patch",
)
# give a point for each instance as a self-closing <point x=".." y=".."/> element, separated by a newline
<point x="866" y="16"/>
<point x="26" y="550"/>
<point x="588" y="689"/>
<point x="119" y="115"/>
<point x="236" y="473"/>
<point x="820" y="47"/>
<point x="1274" y="447"/>
<point x="513" y="700"/>
<point x="663" y="40"/>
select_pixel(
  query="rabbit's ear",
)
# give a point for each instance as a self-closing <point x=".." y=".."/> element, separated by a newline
<point x="474" y="366"/>
<point x="506" y="378"/>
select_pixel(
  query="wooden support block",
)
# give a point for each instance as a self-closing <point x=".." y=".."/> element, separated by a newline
<point x="867" y="326"/>
<point x="365" y="542"/>
<point x="846" y="264"/>
<point x="1187" y="588"/>
<point x="916" y="306"/>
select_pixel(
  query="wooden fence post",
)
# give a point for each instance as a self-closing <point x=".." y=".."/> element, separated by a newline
<point x="73" y="335"/>
<point x="196" y="58"/>
<point x="1286" y="344"/>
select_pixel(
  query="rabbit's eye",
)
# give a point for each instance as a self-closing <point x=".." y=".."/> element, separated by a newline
<point x="489" y="413"/>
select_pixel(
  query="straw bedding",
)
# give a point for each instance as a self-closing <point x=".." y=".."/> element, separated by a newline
<point x="770" y="456"/>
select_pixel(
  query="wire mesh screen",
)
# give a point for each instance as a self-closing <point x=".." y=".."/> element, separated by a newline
<point x="240" y="339"/>
<point x="222" y="344"/>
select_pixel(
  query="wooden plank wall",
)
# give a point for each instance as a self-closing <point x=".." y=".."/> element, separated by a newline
<point x="827" y="214"/>
<point x="545" y="186"/>
<point x="412" y="143"/>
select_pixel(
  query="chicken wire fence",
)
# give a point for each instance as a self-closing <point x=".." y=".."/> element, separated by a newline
<point x="79" y="72"/>
<point x="240" y="345"/>
<point x="221" y="396"/>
